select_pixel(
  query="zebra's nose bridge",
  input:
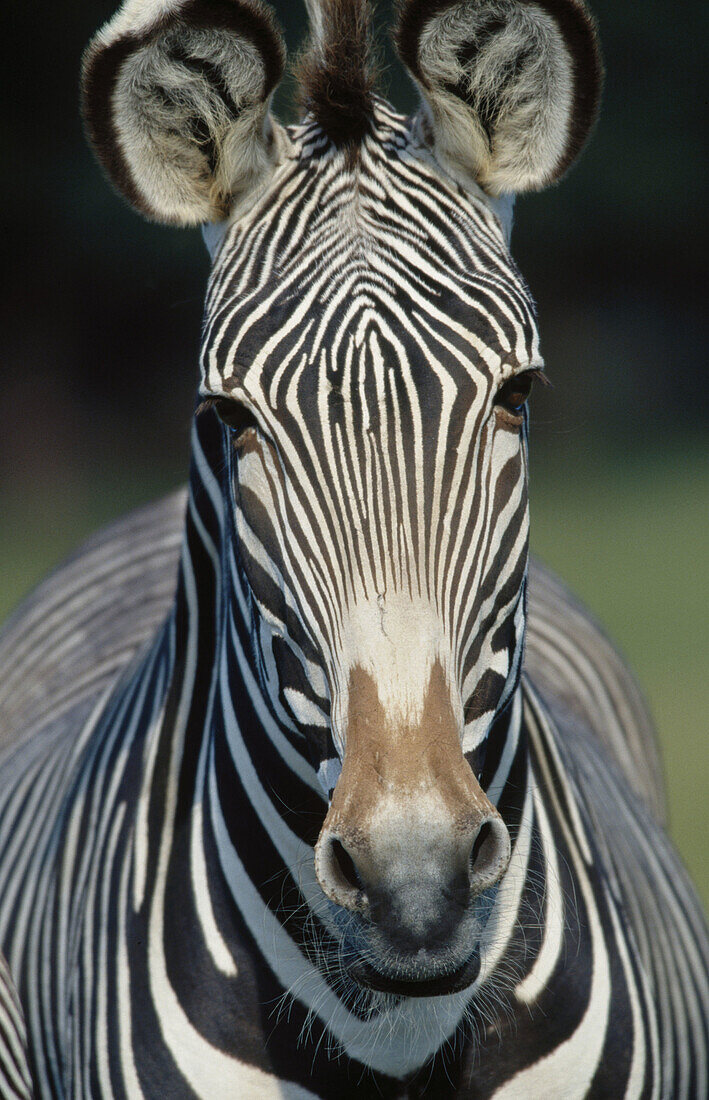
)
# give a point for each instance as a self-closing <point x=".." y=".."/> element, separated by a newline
<point x="410" y="835"/>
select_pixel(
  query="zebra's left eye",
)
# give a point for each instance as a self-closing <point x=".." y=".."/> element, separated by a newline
<point x="512" y="394"/>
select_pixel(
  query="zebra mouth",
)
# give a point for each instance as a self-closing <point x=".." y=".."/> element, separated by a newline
<point x="441" y="984"/>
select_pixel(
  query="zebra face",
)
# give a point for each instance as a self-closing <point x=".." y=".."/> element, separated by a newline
<point x="369" y="345"/>
<point x="370" y="365"/>
<point x="365" y="367"/>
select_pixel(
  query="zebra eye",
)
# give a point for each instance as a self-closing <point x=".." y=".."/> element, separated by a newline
<point x="512" y="394"/>
<point x="235" y="415"/>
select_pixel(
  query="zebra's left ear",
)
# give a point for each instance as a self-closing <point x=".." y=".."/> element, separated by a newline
<point x="176" y="98"/>
<point x="510" y="87"/>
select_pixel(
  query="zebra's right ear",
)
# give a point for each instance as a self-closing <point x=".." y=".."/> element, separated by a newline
<point x="176" y="97"/>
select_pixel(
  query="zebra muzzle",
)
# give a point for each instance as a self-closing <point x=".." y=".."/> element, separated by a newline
<point x="411" y="840"/>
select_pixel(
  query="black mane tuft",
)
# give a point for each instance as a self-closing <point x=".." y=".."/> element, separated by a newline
<point x="337" y="76"/>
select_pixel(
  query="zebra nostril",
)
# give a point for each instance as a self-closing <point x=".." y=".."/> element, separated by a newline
<point x="490" y="854"/>
<point x="346" y="865"/>
<point x="480" y="839"/>
<point x="337" y="873"/>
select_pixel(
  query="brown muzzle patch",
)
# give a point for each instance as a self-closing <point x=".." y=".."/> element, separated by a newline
<point x="407" y="803"/>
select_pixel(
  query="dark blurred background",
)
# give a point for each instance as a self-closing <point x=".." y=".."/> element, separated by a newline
<point x="101" y="321"/>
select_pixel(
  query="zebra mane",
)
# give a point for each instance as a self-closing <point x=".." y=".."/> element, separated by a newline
<point x="337" y="73"/>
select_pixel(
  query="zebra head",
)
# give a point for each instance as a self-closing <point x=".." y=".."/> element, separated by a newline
<point x="369" y="347"/>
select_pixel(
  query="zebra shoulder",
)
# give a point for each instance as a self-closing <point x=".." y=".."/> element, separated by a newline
<point x="76" y="632"/>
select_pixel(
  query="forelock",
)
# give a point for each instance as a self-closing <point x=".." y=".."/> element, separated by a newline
<point x="337" y="73"/>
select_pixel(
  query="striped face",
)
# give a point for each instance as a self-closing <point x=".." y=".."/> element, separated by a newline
<point x="361" y="333"/>
<point x="361" y="326"/>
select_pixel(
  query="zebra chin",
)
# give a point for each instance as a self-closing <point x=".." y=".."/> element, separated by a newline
<point x="379" y="959"/>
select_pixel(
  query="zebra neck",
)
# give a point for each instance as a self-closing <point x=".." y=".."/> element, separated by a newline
<point x="239" y="803"/>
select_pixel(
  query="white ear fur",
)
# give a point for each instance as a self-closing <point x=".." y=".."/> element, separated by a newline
<point x="176" y="100"/>
<point x="510" y="87"/>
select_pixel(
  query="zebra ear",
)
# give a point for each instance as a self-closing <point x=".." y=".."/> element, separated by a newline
<point x="176" y="98"/>
<point x="510" y="87"/>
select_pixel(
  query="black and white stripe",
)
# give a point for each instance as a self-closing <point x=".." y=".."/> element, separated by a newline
<point x="175" y="700"/>
<point x="562" y="841"/>
<point x="15" y="1081"/>
<point x="378" y="389"/>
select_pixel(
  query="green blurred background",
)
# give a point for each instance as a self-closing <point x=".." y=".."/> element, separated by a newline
<point x="100" y="332"/>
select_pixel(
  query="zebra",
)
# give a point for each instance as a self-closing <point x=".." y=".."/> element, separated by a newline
<point x="311" y="784"/>
<point x="15" y="1081"/>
